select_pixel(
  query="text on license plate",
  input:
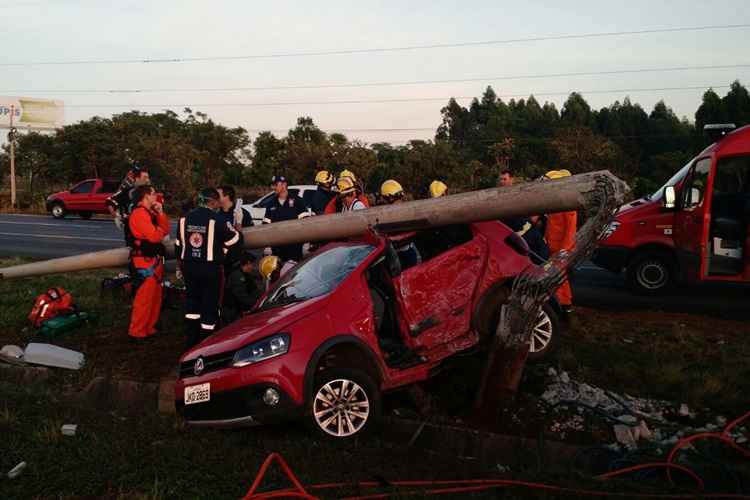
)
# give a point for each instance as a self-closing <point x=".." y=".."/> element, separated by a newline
<point x="197" y="393"/>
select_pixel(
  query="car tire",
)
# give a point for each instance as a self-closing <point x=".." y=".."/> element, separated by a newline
<point x="651" y="273"/>
<point x="344" y="420"/>
<point x="545" y="337"/>
<point x="85" y="215"/>
<point x="58" y="210"/>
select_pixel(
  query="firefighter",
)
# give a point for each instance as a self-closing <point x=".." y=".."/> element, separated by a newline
<point x="148" y="226"/>
<point x="391" y="192"/>
<point x="438" y="189"/>
<point x="335" y="206"/>
<point x="202" y="239"/>
<point x="242" y="290"/>
<point x="120" y="203"/>
<point x="347" y="195"/>
<point x="560" y="234"/>
<point x="324" y="194"/>
<point x="285" y="206"/>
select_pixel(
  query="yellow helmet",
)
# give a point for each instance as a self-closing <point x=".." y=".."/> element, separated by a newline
<point x="345" y="185"/>
<point x="391" y="189"/>
<point x="557" y="174"/>
<point x="324" y="177"/>
<point x="437" y="189"/>
<point x="268" y="265"/>
<point x="349" y="174"/>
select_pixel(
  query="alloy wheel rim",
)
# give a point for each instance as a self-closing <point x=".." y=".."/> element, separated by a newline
<point x="541" y="334"/>
<point x="57" y="210"/>
<point x="341" y="408"/>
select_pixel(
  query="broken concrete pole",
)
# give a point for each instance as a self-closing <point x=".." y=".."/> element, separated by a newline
<point x="51" y="355"/>
<point x="571" y="193"/>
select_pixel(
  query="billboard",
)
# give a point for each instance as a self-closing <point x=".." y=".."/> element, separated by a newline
<point x="32" y="113"/>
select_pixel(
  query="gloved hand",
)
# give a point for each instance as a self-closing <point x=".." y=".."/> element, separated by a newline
<point x="118" y="221"/>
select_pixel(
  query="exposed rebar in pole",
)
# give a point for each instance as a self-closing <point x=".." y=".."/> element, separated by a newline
<point x="12" y="139"/>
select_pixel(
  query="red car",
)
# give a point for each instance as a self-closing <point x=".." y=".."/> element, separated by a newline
<point x="85" y="198"/>
<point x="354" y="320"/>
<point x="694" y="228"/>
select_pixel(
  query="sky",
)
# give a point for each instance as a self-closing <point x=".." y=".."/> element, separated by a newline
<point x="56" y="31"/>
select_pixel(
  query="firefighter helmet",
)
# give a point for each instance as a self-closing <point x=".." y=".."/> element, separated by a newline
<point x="391" y="191"/>
<point x="268" y="265"/>
<point x="345" y="185"/>
<point x="349" y="174"/>
<point x="437" y="189"/>
<point x="557" y="174"/>
<point x="324" y="178"/>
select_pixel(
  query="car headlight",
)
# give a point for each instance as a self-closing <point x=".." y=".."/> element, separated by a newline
<point x="267" y="348"/>
<point x="610" y="230"/>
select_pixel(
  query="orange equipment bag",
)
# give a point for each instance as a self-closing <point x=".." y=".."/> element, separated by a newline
<point x="53" y="302"/>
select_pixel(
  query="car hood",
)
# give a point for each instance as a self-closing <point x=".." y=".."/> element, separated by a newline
<point x="255" y="327"/>
<point x="639" y="205"/>
<point x="55" y="195"/>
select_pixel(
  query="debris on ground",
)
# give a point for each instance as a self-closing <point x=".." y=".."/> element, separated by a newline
<point x="633" y="420"/>
<point x="12" y="354"/>
<point x="51" y="355"/>
<point x="69" y="429"/>
<point x="16" y="471"/>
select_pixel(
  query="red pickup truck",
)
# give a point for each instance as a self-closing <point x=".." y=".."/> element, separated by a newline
<point x="85" y="198"/>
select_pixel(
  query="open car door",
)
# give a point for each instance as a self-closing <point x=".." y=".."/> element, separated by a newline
<point x="436" y="294"/>
<point x="692" y="221"/>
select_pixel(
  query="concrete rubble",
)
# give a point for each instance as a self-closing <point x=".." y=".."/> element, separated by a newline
<point x="634" y="420"/>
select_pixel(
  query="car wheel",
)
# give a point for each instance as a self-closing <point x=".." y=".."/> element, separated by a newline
<point x="344" y="404"/>
<point x="58" y="210"/>
<point x="85" y="215"/>
<point x="651" y="273"/>
<point x="545" y="335"/>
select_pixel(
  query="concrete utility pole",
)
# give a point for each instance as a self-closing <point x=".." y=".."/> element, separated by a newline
<point x="12" y="139"/>
<point x="571" y="193"/>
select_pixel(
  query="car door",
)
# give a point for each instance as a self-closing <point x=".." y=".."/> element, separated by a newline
<point x="80" y="196"/>
<point x="435" y="296"/>
<point x="692" y="220"/>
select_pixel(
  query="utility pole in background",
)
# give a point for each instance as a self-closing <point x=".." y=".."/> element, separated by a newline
<point x="12" y="140"/>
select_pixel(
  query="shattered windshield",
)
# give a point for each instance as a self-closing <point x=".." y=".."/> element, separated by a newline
<point x="316" y="276"/>
<point x="671" y="182"/>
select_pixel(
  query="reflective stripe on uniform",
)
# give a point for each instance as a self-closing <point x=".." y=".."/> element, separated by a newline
<point x="192" y="316"/>
<point x="207" y="326"/>
<point x="210" y="241"/>
<point x="182" y="237"/>
<point x="234" y="239"/>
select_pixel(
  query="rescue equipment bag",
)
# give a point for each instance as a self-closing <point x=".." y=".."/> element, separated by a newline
<point x="64" y="323"/>
<point x="51" y="303"/>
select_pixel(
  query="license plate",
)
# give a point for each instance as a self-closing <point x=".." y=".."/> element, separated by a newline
<point x="198" y="393"/>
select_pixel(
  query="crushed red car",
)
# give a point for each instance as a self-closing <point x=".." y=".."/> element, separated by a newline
<point x="356" y="319"/>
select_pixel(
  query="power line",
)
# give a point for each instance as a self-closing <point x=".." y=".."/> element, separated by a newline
<point x="387" y="100"/>
<point x="387" y="83"/>
<point x="317" y="53"/>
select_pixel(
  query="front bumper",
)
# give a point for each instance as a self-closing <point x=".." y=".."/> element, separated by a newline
<point x="239" y="407"/>
<point x="611" y="258"/>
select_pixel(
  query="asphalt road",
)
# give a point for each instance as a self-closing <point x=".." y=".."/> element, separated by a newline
<point x="41" y="236"/>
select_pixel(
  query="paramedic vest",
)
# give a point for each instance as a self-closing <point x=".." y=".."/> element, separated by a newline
<point x="202" y="236"/>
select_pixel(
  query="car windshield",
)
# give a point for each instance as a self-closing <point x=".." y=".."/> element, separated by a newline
<point x="671" y="182"/>
<point x="316" y="276"/>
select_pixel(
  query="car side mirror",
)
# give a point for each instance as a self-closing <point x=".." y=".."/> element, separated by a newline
<point x="669" y="200"/>
<point x="392" y="262"/>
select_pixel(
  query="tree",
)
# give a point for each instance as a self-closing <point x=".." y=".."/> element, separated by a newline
<point x="737" y="104"/>
<point x="710" y="111"/>
<point x="577" y="112"/>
